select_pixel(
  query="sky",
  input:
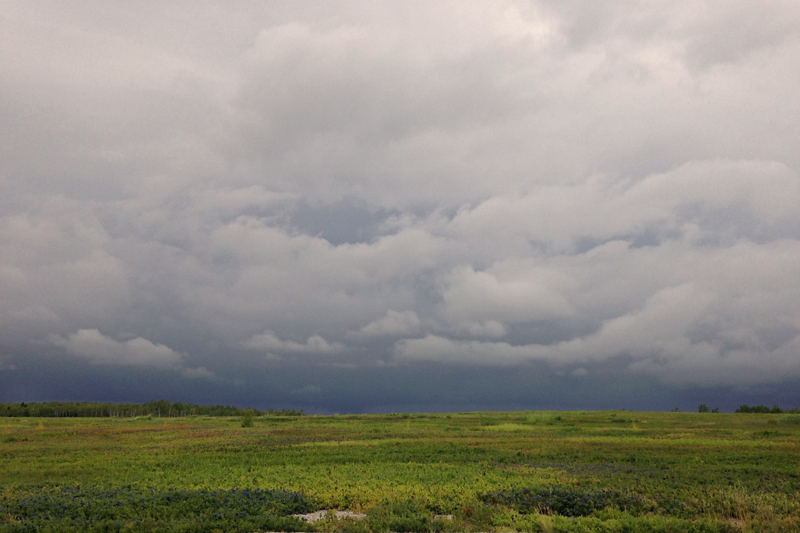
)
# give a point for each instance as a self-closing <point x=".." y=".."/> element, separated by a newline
<point x="401" y="206"/>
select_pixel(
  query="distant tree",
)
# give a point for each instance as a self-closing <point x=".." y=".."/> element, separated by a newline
<point x="247" y="418"/>
<point x="703" y="408"/>
<point x="715" y="410"/>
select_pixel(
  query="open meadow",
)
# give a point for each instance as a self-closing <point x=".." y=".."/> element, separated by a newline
<point x="515" y="471"/>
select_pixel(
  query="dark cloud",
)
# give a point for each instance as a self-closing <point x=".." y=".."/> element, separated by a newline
<point x="347" y="221"/>
<point x="440" y="206"/>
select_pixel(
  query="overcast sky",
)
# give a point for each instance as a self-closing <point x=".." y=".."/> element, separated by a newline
<point x="389" y="206"/>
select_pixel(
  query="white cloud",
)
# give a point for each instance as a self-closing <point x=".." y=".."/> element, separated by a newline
<point x="508" y="292"/>
<point x="102" y="350"/>
<point x="709" y="193"/>
<point x="554" y="182"/>
<point x="489" y="328"/>
<point x="683" y="334"/>
<point x="394" y="323"/>
<point x="232" y="201"/>
<point x="441" y="349"/>
<point x="315" y="344"/>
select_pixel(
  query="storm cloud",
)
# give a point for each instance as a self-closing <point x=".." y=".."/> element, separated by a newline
<point x="602" y="199"/>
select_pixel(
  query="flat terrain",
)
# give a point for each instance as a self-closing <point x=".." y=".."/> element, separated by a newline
<point x="516" y="471"/>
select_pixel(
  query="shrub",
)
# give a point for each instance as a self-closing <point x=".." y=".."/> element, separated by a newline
<point x="571" y="501"/>
<point x="399" y="516"/>
<point x="247" y="418"/>
<point x="403" y="515"/>
<point x="76" y="508"/>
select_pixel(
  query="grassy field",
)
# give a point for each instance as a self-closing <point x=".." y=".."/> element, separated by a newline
<point x="516" y="471"/>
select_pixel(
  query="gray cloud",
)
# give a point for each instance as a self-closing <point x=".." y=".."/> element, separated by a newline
<point x="584" y="190"/>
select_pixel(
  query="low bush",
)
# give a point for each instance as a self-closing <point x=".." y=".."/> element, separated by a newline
<point x="410" y="516"/>
<point x="572" y="501"/>
<point x="247" y="418"/>
<point x="90" y="509"/>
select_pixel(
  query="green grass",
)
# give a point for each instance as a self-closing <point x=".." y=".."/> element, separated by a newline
<point x="671" y="471"/>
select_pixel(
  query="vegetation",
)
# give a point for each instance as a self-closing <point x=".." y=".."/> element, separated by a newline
<point x="519" y="471"/>
<point x="744" y="408"/>
<point x="247" y="418"/>
<point x="131" y="509"/>
<point x="159" y="408"/>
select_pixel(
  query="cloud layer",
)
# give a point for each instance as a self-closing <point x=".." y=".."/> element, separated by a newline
<point x="589" y="190"/>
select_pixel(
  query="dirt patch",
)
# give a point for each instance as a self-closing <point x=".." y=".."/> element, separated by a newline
<point x="319" y="515"/>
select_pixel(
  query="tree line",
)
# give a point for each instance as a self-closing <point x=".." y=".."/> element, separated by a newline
<point x="157" y="408"/>
<point x="744" y="408"/>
